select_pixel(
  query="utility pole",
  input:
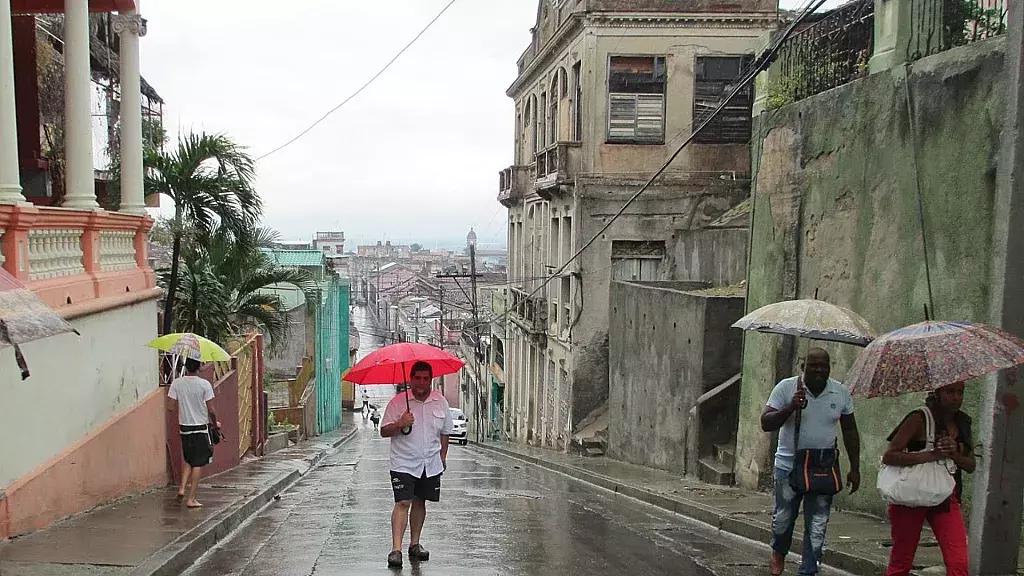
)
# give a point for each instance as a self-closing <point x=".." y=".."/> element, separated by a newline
<point x="476" y="335"/>
<point x="476" y="330"/>
<point x="442" y="335"/>
<point x="996" y="509"/>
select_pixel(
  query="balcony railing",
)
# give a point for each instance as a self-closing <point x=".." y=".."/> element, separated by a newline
<point x="512" y="185"/>
<point x="530" y="313"/>
<point x="557" y="166"/>
<point x="833" y="51"/>
<point x="73" y="258"/>
<point x="938" y="25"/>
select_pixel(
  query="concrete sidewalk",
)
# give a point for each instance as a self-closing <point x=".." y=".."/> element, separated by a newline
<point x="857" y="543"/>
<point x="152" y="533"/>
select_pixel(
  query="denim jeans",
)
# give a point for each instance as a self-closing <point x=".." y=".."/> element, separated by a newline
<point x="817" y="508"/>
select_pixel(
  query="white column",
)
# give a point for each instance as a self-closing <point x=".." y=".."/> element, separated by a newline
<point x="80" y="190"/>
<point x="10" y="179"/>
<point x="130" y="26"/>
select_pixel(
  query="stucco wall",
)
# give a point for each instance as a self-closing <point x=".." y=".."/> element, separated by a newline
<point x="835" y="211"/>
<point x="715" y="255"/>
<point x="284" y="358"/>
<point x="659" y="366"/>
<point x="126" y="454"/>
<point x="77" y="385"/>
<point x="658" y="214"/>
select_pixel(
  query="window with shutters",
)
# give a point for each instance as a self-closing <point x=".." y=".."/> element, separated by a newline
<point x="636" y="99"/>
<point x="637" y="260"/>
<point x="714" y="78"/>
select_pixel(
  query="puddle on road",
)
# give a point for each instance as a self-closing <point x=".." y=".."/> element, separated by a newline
<point x="506" y="494"/>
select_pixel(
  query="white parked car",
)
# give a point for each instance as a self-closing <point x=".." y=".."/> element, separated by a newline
<point x="459" y="433"/>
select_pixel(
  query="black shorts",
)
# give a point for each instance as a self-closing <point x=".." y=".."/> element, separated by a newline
<point x="408" y="487"/>
<point x="196" y="449"/>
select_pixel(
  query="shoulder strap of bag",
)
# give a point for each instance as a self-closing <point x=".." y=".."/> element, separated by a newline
<point x="929" y="428"/>
<point x="799" y="411"/>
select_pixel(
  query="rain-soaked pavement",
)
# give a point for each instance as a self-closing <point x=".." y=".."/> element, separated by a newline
<point x="496" y="516"/>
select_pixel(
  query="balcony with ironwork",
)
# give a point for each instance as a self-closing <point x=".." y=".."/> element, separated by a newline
<point x="557" y="167"/>
<point x="529" y="313"/>
<point x="512" y="183"/>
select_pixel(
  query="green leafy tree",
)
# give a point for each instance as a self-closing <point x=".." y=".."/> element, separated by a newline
<point x="210" y="180"/>
<point x="416" y="247"/>
<point x="241" y="272"/>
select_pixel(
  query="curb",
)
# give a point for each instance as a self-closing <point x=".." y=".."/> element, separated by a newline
<point x="180" y="554"/>
<point x="694" y="510"/>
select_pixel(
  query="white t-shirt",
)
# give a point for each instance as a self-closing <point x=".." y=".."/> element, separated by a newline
<point x="419" y="453"/>
<point x="192" y="393"/>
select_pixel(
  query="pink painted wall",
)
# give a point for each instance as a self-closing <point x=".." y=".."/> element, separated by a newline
<point x="225" y="454"/>
<point x="451" y="390"/>
<point x="126" y="454"/>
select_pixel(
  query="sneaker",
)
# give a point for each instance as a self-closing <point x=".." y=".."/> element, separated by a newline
<point x="418" y="553"/>
<point x="395" y="559"/>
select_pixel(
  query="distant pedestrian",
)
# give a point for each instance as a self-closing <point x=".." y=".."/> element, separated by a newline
<point x="910" y="445"/>
<point x="809" y="405"/>
<point x="366" y="402"/>
<point x="375" y="418"/>
<point x="418" y="458"/>
<point x="192" y="397"/>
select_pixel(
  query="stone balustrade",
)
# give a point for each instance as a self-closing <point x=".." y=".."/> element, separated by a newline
<point x="117" y="250"/>
<point x="77" y="259"/>
<point x="55" y="253"/>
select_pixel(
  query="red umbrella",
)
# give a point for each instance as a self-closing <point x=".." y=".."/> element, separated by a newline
<point x="391" y="364"/>
<point x="24" y="318"/>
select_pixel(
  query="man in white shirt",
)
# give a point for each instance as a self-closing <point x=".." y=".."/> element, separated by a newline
<point x="192" y="397"/>
<point x="418" y="423"/>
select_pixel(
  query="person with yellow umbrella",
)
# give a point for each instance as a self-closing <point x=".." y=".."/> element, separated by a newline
<point x="192" y="397"/>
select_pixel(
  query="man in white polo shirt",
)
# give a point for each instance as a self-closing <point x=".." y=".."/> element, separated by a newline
<point x="418" y="423"/>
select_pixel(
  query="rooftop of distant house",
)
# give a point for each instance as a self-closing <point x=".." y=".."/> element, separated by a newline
<point x="308" y="258"/>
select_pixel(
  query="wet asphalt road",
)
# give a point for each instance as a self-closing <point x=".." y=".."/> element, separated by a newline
<point x="496" y="516"/>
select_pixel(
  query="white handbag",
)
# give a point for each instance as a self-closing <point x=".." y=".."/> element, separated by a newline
<point x="921" y="485"/>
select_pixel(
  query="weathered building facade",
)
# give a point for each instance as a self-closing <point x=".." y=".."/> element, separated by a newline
<point x="606" y="92"/>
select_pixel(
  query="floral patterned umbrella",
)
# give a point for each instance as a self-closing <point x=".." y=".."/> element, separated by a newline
<point x="930" y="355"/>
<point x="24" y="318"/>
<point x="814" y="319"/>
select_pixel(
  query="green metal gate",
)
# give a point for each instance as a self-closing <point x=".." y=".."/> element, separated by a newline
<point x="332" y="321"/>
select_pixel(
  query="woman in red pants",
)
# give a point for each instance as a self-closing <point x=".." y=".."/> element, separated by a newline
<point x="907" y="446"/>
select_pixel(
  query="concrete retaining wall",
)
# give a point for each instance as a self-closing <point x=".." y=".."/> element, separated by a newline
<point x="661" y="363"/>
<point x="835" y="212"/>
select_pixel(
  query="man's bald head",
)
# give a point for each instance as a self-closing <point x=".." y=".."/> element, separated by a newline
<point x="817" y="368"/>
<point x="819" y="354"/>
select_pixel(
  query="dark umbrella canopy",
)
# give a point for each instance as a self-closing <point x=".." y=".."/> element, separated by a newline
<point x="24" y="318"/>
<point x="929" y="355"/>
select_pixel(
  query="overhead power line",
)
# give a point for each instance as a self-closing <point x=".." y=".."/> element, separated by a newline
<point x="364" y="86"/>
<point x="761" y="64"/>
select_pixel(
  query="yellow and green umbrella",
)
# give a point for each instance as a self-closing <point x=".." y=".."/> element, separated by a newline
<point x="188" y="345"/>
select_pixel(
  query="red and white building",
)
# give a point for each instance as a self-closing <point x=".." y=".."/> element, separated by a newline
<point x="89" y="425"/>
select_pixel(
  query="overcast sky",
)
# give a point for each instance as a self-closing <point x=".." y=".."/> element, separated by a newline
<point x="415" y="157"/>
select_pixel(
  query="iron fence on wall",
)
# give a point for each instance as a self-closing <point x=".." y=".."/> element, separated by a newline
<point x="829" y="53"/>
<point x="938" y="25"/>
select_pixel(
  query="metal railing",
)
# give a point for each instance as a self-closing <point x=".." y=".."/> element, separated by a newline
<point x="939" y="25"/>
<point x="833" y="51"/>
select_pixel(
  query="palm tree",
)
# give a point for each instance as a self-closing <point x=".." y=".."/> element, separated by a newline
<point x="210" y="180"/>
<point x="233" y="265"/>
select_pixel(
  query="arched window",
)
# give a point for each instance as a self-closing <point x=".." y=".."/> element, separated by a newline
<point x="556" y="98"/>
